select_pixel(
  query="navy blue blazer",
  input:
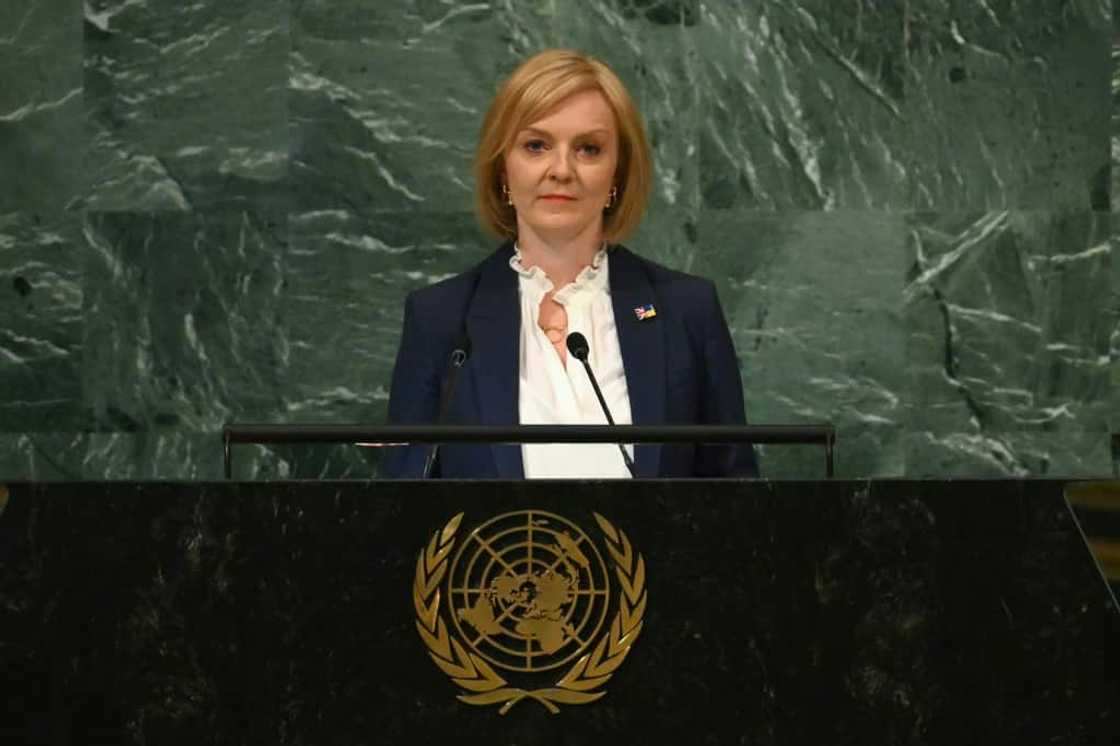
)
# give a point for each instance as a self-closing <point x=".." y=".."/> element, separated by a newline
<point x="680" y="368"/>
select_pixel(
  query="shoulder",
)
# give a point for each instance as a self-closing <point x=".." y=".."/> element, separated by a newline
<point x="672" y="287"/>
<point x="445" y="302"/>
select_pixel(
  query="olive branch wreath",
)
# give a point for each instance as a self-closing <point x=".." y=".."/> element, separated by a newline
<point x="473" y="674"/>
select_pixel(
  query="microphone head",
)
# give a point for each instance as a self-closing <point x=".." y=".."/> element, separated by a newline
<point x="577" y="345"/>
<point x="462" y="350"/>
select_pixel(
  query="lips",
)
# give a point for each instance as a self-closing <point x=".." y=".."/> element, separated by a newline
<point x="558" y="197"/>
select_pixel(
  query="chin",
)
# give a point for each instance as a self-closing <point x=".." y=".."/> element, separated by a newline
<point x="552" y="221"/>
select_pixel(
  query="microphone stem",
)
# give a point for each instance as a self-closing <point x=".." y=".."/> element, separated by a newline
<point x="458" y="357"/>
<point x="607" y="412"/>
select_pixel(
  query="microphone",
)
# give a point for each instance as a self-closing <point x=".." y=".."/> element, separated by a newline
<point x="577" y="345"/>
<point x="457" y="359"/>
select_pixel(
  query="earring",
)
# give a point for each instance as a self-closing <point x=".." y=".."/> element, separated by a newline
<point x="507" y="195"/>
<point x="611" y="198"/>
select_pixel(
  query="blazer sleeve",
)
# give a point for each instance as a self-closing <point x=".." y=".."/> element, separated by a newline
<point x="414" y="392"/>
<point x="721" y="401"/>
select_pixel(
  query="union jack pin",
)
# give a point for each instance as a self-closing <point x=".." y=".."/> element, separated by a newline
<point x="645" y="312"/>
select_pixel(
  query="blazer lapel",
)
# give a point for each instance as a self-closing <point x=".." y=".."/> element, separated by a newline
<point x="494" y="326"/>
<point x="643" y="352"/>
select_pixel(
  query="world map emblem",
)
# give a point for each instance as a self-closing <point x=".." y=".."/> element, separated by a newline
<point x="534" y="596"/>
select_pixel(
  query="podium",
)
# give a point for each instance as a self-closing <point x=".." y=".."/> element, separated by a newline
<point x="884" y="612"/>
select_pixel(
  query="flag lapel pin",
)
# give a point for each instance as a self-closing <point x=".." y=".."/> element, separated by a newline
<point x="645" y="312"/>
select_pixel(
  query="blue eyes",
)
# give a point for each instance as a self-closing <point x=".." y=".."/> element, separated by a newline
<point x="540" y="146"/>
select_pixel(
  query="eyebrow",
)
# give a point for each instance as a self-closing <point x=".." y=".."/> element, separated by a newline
<point x="534" y="130"/>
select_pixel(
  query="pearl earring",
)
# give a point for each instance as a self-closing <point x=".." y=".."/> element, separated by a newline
<point x="611" y="198"/>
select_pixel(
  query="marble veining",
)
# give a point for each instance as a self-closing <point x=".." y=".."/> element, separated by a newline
<point x="212" y="211"/>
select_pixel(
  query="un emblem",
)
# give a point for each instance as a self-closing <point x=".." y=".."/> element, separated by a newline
<point x="529" y="593"/>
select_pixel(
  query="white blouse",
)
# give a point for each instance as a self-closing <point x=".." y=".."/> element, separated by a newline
<point x="552" y="393"/>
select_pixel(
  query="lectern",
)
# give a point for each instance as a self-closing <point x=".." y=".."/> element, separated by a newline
<point x="671" y="612"/>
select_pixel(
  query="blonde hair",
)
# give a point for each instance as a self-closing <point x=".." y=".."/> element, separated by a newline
<point x="537" y="86"/>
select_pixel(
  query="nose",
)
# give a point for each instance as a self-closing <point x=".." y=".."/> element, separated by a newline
<point x="560" y="168"/>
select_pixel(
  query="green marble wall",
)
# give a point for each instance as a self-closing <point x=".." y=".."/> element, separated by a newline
<point x="211" y="212"/>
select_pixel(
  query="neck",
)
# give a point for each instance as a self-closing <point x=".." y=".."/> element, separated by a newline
<point x="560" y="258"/>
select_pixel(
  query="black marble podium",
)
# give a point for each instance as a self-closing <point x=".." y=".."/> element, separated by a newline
<point x="778" y="613"/>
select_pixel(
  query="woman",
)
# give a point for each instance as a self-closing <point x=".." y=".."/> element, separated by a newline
<point x="562" y="173"/>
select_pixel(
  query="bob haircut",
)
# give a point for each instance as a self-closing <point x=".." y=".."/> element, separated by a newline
<point x="536" y="87"/>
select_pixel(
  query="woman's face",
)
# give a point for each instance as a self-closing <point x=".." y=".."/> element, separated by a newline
<point x="561" y="168"/>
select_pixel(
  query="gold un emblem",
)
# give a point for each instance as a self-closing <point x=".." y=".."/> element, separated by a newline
<point x="529" y="594"/>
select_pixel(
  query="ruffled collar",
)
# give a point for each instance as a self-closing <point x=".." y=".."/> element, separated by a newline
<point x="590" y="280"/>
